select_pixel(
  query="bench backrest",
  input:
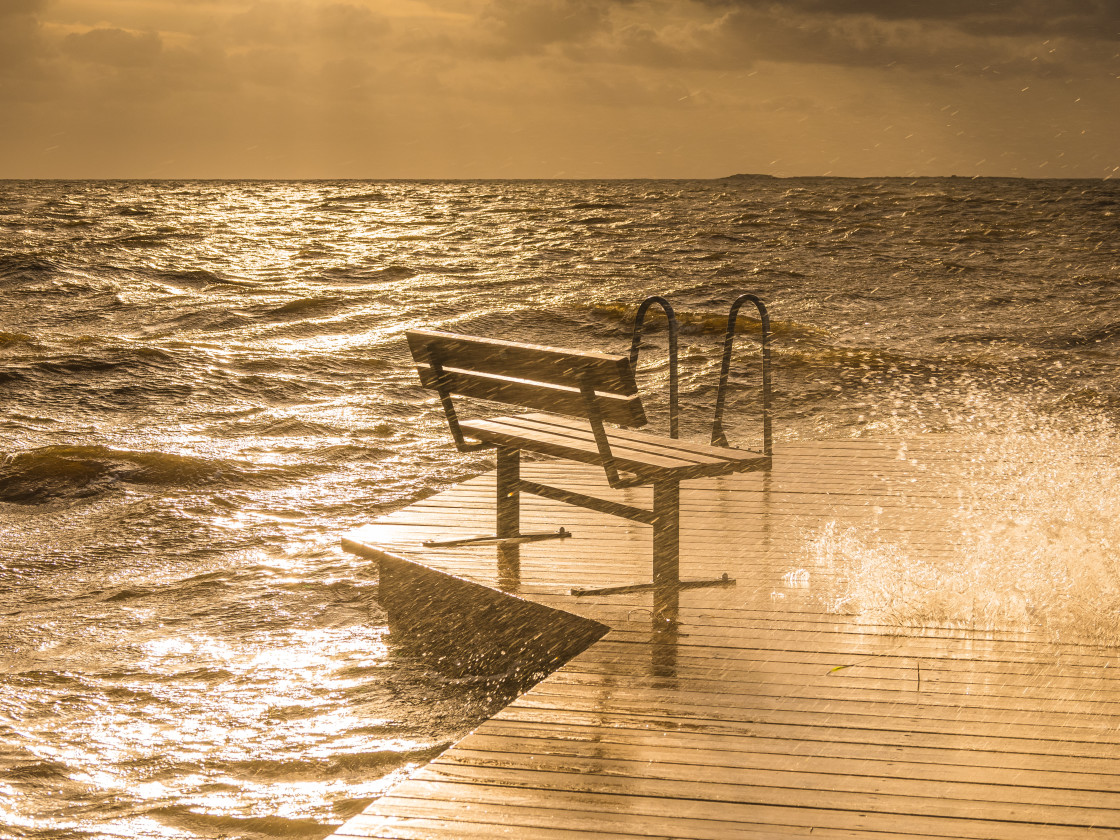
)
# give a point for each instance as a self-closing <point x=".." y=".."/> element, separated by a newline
<point x="529" y="375"/>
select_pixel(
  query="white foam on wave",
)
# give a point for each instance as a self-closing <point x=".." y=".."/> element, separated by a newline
<point x="1032" y="541"/>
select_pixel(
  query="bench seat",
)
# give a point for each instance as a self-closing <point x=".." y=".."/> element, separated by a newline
<point x="651" y="457"/>
<point x="570" y="397"/>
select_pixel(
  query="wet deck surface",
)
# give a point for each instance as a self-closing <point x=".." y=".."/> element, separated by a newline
<point x="762" y="715"/>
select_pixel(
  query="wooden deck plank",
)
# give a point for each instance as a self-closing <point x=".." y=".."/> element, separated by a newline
<point x="670" y="812"/>
<point x="516" y="820"/>
<point x="844" y="758"/>
<point x="762" y="715"/>
<point x="865" y="730"/>
<point x="906" y="781"/>
<point x="783" y="788"/>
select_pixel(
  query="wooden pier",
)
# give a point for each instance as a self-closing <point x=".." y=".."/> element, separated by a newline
<point x="757" y="714"/>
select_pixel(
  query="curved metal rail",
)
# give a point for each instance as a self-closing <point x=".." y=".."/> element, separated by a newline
<point x="719" y="438"/>
<point x="673" y="330"/>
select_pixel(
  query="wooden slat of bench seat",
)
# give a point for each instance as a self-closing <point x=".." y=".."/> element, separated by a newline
<point x="623" y="410"/>
<point x="644" y="457"/>
<point x="608" y="373"/>
<point x="685" y="448"/>
<point x="500" y="431"/>
<point x="651" y="445"/>
<point x="662" y="447"/>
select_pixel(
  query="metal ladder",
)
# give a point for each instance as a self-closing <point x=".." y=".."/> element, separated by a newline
<point x="719" y="437"/>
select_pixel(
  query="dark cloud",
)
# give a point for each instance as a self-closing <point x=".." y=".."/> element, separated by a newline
<point x="850" y="41"/>
<point x="643" y="45"/>
<point x="980" y="38"/>
<point x="999" y="38"/>
<point x="1070" y="18"/>
<point x="528" y="26"/>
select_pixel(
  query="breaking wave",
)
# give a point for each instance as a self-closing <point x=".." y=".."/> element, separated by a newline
<point x="52" y="473"/>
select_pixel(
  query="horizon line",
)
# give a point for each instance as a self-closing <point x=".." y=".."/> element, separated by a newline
<point x="733" y="177"/>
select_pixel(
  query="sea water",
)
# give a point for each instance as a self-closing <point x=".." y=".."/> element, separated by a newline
<point x="204" y="384"/>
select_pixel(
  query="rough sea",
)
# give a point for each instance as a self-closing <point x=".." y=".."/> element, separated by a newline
<point x="204" y="385"/>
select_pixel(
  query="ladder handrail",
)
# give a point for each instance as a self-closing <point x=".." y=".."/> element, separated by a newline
<point x="673" y="330"/>
<point x="719" y="438"/>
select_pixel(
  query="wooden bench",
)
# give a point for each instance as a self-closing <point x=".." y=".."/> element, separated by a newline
<point x="572" y="396"/>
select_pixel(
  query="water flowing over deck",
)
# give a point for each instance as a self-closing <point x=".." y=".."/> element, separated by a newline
<point x="757" y="713"/>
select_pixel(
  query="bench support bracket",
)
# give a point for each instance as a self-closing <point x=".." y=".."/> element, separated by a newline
<point x="594" y="503"/>
<point x="494" y="539"/>
<point x="644" y="587"/>
<point x="665" y="519"/>
<point x="509" y="488"/>
<point x="444" y="391"/>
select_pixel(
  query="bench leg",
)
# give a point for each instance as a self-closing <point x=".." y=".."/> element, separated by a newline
<point x="666" y="548"/>
<point x="509" y="496"/>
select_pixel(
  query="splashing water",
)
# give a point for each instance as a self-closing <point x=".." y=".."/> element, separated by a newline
<point x="1030" y="542"/>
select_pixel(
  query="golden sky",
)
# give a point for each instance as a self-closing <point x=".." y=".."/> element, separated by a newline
<point x="558" y="88"/>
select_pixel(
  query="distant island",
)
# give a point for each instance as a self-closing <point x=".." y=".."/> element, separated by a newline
<point x="748" y="176"/>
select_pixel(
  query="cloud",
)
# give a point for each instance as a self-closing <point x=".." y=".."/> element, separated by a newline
<point x="1005" y="35"/>
<point x="341" y="25"/>
<point x="345" y="23"/>
<point x="1081" y="18"/>
<point x="952" y="38"/>
<point x="114" y="47"/>
<point x="1035" y="38"/>
<point x="24" y="52"/>
<point x="12" y="8"/>
<point x="530" y="87"/>
<point x="528" y="26"/>
<point x="66" y="56"/>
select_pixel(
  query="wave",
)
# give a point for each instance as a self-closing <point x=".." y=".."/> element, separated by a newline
<point x="37" y="476"/>
<point x="353" y="198"/>
<point x="308" y="306"/>
<point x="217" y="825"/>
<point x="23" y="268"/>
<point x="38" y="770"/>
<point x="1105" y="334"/>
<point x="133" y="210"/>
<point x="86" y="361"/>
<point x="288" y="427"/>
<point x="209" y="320"/>
<point x="696" y="323"/>
<point x="13" y="339"/>
<point x="365" y="274"/>
<point x="144" y="240"/>
<point x="195" y="278"/>
<point x="845" y="361"/>
<point x="88" y="364"/>
<point x="333" y="766"/>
